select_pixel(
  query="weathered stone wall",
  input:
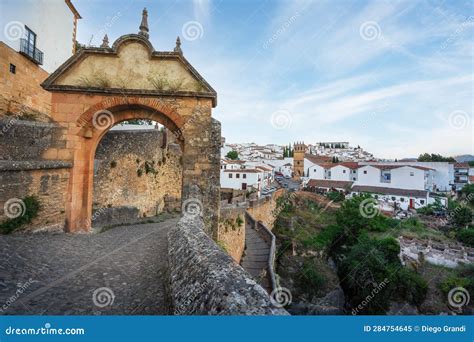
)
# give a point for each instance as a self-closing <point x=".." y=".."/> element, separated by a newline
<point x="28" y="140"/>
<point x="23" y="171"/>
<point x="138" y="168"/>
<point x="204" y="280"/>
<point x="46" y="180"/>
<point x="264" y="208"/>
<point x="231" y="231"/>
<point x="20" y="93"/>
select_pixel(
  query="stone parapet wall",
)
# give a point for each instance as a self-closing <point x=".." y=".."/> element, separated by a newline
<point x="204" y="280"/>
<point x="264" y="208"/>
<point x="231" y="231"/>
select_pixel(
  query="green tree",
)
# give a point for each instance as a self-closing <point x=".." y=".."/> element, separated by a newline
<point x="467" y="192"/>
<point x="233" y="155"/>
<point x="426" y="157"/>
<point x="460" y="216"/>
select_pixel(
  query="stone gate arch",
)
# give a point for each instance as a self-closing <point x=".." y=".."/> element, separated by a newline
<point x="97" y="87"/>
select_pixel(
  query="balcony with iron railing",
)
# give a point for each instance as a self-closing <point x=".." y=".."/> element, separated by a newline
<point x="30" y="51"/>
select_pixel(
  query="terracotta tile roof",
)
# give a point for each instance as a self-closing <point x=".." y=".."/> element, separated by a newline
<point x="391" y="167"/>
<point x="263" y="168"/>
<point x="461" y="165"/>
<point x="350" y="165"/>
<point x="230" y="161"/>
<point x="244" y="171"/>
<point x="317" y="159"/>
<point x="390" y="191"/>
<point x="327" y="183"/>
<point x="471" y="179"/>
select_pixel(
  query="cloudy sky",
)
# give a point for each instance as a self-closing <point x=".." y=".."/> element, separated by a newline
<point x="395" y="77"/>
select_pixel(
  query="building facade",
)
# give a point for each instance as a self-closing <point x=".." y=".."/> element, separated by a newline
<point x="43" y="31"/>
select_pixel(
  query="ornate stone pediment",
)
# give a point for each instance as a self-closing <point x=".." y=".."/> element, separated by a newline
<point x="130" y="66"/>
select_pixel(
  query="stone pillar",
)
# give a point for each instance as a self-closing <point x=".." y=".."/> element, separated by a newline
<point x="201" y="168"/>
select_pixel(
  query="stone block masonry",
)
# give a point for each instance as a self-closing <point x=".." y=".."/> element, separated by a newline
<point x="21" y="91"/>
<point x="204" y="280"/>
<point x="138" y="168"/>
<point x="264" y="209"/>
<point x="231" y="231"/>
<point x="46" y="180"/>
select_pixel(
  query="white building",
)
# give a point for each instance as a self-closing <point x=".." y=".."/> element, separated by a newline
<point x="389" y="198"/>
<point x="241" y="175"/>
<point x="461" y="175"/>
<point x="44" y="31"/>
<point x="281" y="165"/>
<point x="407" y="186"/>
<point x="443" y="174"/>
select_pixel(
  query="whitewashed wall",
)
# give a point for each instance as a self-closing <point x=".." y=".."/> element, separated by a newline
<point x="51" y="20"/>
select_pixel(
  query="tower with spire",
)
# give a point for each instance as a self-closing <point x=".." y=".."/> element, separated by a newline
<point x="144" y="24"/>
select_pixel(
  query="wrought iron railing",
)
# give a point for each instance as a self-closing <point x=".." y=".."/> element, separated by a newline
<point x="29" y="50"/>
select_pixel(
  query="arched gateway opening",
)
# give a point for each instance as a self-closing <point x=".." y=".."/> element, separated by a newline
<point x="98" y="87"/>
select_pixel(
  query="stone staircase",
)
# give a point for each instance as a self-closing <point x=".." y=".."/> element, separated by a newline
<point x="256" y="255"/>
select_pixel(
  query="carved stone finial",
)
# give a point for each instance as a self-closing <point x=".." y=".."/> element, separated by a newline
<point x="105" y="42"/>
<point x="144" y="24"/>
<point x="178" y="46"/>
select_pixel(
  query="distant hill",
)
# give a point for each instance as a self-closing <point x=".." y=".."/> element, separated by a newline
<point x="464" y="158"/>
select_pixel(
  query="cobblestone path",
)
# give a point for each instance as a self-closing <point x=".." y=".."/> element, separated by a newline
<point x="120" y="271"/>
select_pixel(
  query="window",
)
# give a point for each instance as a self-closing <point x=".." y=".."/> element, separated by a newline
<point x="422" y="201"/>
<point x="237" y="175"/>
<point x="343" y="171"/>
<point x="353" y="178"/>
<point x="393" y="198"/>
<point x="376" y="196"/>
<point x="230" y="175"/>
<point x="412" y="174"/>
<point x="30" y="37"/>
<point x="402" y="199"/>
<point x="314" y="170"/>
<point x="244" y="175"/>
<point x="12" y="68"/>
<point x="365" y="172"/>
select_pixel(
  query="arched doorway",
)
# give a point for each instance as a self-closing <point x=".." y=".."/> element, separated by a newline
<point x="86" y="109"/>
<point x="137" y="174"/>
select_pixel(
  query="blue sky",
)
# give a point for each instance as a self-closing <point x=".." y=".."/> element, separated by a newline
<point x="395" y="77"/>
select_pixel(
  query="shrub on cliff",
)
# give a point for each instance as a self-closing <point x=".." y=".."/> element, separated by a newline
<point x="466" y="236"/>
<point x="29" y="209"/>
